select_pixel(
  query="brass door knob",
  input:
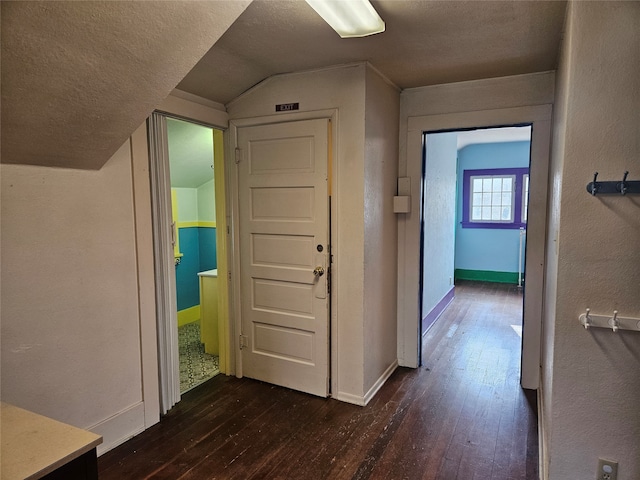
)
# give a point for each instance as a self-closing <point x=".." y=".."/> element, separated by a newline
<point x="318" y="271"/>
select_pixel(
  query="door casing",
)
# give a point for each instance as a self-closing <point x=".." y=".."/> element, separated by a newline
<point x="409" y="229"/>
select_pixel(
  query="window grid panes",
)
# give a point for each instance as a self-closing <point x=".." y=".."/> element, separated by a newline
<point x="492" y="198"/>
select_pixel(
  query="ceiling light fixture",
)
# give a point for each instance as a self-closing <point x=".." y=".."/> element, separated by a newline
<point x="350" y="18"/>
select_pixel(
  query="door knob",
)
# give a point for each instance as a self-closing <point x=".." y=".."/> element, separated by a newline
<point x="318" y="271"/>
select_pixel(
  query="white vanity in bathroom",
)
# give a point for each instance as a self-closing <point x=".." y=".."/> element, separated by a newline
<point x="209" y="335"/>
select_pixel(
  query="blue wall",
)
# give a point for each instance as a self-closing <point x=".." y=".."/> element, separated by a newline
<point x="488" y="249"/>
<point x="207" y="247"/>
<point x="198" y="246"/>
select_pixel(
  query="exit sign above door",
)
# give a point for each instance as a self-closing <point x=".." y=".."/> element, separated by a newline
<point x="287" y="107"/>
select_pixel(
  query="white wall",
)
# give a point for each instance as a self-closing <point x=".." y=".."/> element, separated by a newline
<point x="340" y="92"/>
<point x="382" y="110"/>
<point x="207" y="202"/>
<point x="545" y="422"/>
<point x="70" y="320"/>
<point x="592" y="408"/>
<point x="187" y="200"/>
<point x="78" y="322"/>
<point x="196" y="204"/>
<point x="439" y="218"/>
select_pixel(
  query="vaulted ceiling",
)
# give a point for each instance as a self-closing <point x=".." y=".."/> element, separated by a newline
<point x="79" y="77"/>
<point x="425" y="43"/>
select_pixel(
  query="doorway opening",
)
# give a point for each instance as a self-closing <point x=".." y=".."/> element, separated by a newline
<point x="193" y="208"/>
<point x="474" y="209"/>
<point x="189" y="225"/>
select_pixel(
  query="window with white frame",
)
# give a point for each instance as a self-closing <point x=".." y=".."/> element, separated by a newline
<point x="492" y="198"/>
<point x="525" y="197"/>
<point x="495" y="198"/>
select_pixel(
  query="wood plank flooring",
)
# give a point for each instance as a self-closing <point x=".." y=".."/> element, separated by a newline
<point x="461" y="416"/>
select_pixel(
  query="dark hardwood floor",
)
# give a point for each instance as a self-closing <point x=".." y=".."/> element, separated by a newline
<point x="462" y="415"/>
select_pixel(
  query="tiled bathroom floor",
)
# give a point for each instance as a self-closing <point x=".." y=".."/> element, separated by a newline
<point x="196" y="366"/>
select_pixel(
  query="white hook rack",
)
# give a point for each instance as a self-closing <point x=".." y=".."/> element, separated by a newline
<point x="613" y="322"/>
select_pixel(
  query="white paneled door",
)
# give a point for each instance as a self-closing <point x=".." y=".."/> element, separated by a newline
<point x="284" y="254"/>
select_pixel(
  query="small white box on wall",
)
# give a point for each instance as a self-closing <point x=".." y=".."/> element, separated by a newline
<point x="402" y="204"/>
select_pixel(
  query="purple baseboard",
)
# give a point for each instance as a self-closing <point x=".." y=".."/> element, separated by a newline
<point x="435" y="312"/>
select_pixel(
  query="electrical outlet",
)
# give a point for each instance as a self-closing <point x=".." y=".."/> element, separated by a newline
<point x="607" y="470"/>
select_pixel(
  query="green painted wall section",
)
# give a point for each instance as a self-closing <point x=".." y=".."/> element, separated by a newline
<point x="486" y="276"/>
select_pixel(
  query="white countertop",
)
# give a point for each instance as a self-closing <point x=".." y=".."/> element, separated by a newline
<point x="209" y="273"/>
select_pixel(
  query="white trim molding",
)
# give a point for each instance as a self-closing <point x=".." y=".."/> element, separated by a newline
<point x="539" y="117"/>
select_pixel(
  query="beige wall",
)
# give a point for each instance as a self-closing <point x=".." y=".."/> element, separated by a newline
<point x="70" y="311"/>
<point x="341" y="92"/>
<point x="595" y="382"/>
<point x="382" y="105"/>
<point x="78" y="326"/>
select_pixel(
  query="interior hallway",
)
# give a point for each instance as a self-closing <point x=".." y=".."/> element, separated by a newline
<point x="460" y="416"/>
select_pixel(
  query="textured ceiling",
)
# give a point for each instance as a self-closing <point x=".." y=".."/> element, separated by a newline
<point x="79" y="77"/>
<point x="425" y="43"/>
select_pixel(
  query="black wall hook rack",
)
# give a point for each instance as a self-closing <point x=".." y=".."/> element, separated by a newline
<point x="623" y="187"/>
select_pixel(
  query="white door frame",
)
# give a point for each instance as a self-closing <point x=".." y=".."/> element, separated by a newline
<point x="409" y="228"/>
<point x="166" y="313"/>
<point x="233" y="195"/>
<point x="200" y="111"/>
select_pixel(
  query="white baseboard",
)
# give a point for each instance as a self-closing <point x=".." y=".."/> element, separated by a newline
<point x="121" y="427"/>
<point x="362" y="400"/>
<point x="349" y="398"/>
<point x="542" y="444"/>
<point x="380" y="382"/>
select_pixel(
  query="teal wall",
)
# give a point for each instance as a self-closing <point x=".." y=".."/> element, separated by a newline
<point x="198" y="246"/>
<point x="197" y="243"/>
<point x="192" y="179"/>
<point x="479" y="249"/>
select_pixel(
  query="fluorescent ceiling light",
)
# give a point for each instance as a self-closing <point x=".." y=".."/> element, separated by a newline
<point x="350" y="18"/>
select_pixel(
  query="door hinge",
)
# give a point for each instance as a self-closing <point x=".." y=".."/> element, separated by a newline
<point x="238" y="155"/>
<point x="244" y="341"/>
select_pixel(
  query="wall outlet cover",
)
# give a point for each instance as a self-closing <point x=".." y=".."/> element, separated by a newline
<point x="607" y="469"/>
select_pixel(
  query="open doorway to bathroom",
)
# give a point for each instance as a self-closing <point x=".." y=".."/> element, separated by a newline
<point x="182" y="237"/>
<point x="193" y="207"/>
